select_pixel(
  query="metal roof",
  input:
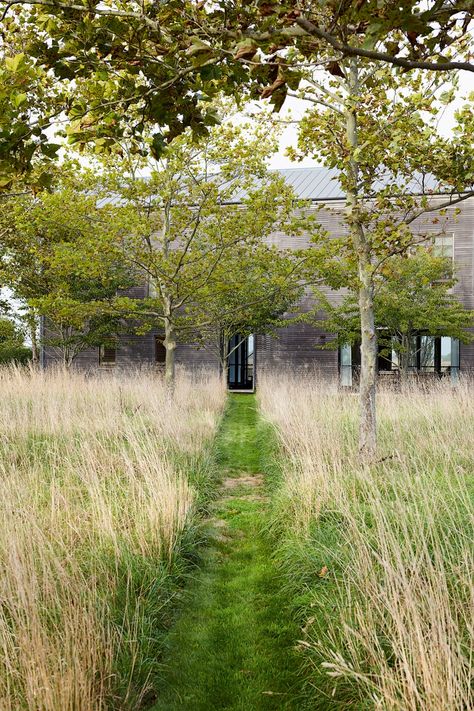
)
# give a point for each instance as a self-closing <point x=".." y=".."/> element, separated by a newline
<point x="319" y="184"/>
<point x="313" y="183"/>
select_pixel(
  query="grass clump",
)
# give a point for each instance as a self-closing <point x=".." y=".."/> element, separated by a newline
<point x="98" y="501"/>
<point x="378" y="560"/>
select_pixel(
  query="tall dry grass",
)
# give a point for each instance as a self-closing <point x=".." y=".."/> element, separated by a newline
<point x="98" y="491"/>
<point x="383" y="556"/>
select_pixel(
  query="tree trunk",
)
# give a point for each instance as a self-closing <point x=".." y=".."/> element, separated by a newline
<point x="404" y="360"/>
<point x="170" y="347"/>
<point x="68" y="359"/>
<point x="367" y="427"/>
<point x="33" y="330"/>
<point x="224" y="358"/>
<point x="368" y="359"/>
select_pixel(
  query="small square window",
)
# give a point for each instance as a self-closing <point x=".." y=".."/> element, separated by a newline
<point x="443" y="246"/>
<point x="107" y="355"/>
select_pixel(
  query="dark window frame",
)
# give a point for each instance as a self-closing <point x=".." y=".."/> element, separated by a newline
<point x="107" y="354"/>
<point x="437" y="368"/>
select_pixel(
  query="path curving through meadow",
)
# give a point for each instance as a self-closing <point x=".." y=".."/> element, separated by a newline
<point x="232" y="645"/>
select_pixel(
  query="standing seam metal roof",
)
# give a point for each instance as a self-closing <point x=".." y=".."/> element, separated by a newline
<point x="319" y="184"/>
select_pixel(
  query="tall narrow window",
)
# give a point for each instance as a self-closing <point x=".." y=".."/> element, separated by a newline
<point x="107" y="354"/>
<point x="455" y="360"/>
<point x="345" y="360"/>
<point x="427" y="353"/>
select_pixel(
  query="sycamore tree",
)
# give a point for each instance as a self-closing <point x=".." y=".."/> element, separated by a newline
<point x="129" y="68"/>
<point x="31" y="101"/>
<point x="413" y="295"/>
<point x="145" y="68"/>
<point x="257" y="289"/>
<point x="37" y="231"/>
<point x="192" y="226"/>
<point x="378" y="128"/>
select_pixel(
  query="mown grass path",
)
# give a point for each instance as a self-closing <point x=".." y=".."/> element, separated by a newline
<point x="232" y="647"/>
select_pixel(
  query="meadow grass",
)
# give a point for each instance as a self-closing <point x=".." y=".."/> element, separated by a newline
<point x="101" y="480"/>
<point x="378" y="559"/>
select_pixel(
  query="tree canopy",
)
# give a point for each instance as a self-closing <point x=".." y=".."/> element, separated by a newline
<point x="413" y="295"/>
<point x="122" y="68"/>
<point x="38" y="232"/>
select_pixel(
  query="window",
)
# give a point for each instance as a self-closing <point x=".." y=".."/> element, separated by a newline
<point x="438" y="355"/>
<point x="160" y="350"/>
<point x="107" y="355"/>
<point x="443" y="246"/>
<point x="345" y="365"/>
<point x="426" y="352"/>
<point x="433" y="354"/>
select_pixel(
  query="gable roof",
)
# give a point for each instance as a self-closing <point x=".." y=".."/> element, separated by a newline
<point x="313" y="183"/>
<point x="320" y="184"/>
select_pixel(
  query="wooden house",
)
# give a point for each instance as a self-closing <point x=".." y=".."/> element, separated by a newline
<point x="295" y="348"/>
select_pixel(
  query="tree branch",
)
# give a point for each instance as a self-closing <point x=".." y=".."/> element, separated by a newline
<point x="349" y="51"/>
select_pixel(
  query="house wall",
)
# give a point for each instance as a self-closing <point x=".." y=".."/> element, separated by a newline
<point x="294" y="348"/>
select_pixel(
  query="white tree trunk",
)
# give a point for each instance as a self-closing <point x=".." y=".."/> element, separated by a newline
<point x="170" y="347"/>
<point x="368" y="425"/>
<point x="368" y="360"/>
<point x="32" y="324"/>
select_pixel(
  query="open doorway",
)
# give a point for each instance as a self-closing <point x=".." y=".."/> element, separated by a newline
<point x="241" y="363"/>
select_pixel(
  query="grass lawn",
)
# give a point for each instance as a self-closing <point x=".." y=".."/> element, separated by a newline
<point x="233" y="645"/>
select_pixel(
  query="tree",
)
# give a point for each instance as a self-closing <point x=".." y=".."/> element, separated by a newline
<point x="39" y="235"/>
<point x="413" y="295"/>
<point x="256" y="289"/>
<point x="123" y="68"/>
<point x="193" y="229"/>
<point x="148" y="67"/>
<point x="373" y="125"/>
<point x="12" y="343"/>
<point x="31" y="100"/>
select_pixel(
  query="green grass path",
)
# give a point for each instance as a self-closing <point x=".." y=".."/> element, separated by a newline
<point x="232" y="646"/>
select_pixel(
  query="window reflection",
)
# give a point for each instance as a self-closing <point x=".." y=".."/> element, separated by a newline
<point x="427" y="352"/>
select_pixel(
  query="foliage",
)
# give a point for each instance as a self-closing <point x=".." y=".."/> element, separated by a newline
<point x="38" y="231"/>
<point x="257" y="289"/>
<point x="30" y="101"/>
<point x="124" y="68"/>
<point x="413" y="294"/>
<point x="12" y="343"/>
<point x="183" y="231"/>
<point x="378" y="129"/>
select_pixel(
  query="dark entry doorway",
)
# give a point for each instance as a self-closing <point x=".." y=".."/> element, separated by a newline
<point x="241" y="368"/>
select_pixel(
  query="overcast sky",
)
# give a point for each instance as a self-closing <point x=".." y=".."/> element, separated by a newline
<point x="297" y="108"/>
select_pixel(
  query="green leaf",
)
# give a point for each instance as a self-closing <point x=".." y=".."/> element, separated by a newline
<point x="14" y="63"/>
<point x="18" y="99"/>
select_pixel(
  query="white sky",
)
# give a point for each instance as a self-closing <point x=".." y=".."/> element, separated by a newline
<point x="297" y="108"/>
